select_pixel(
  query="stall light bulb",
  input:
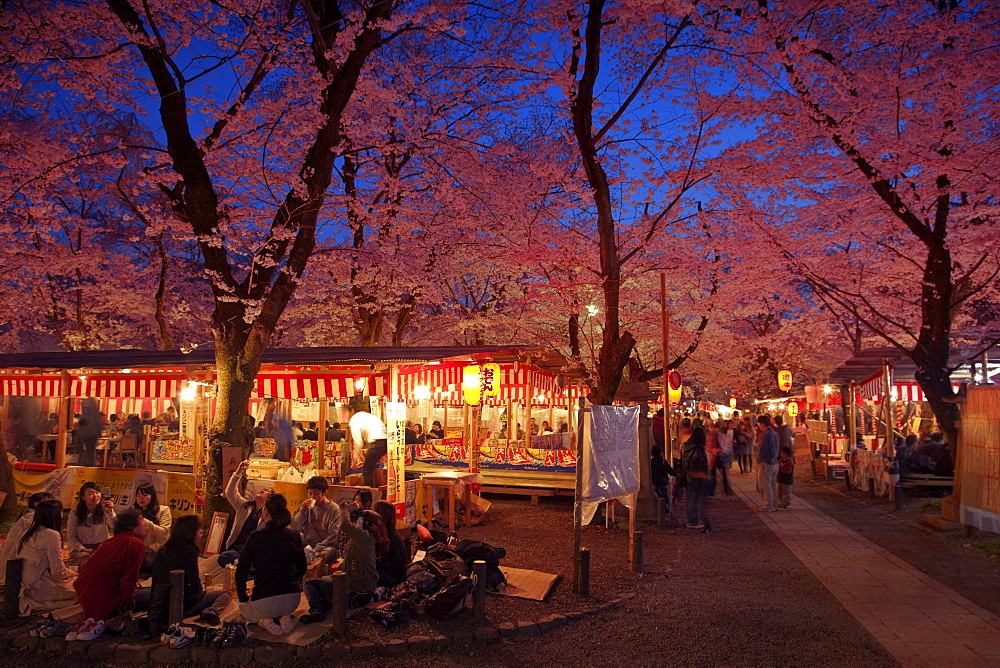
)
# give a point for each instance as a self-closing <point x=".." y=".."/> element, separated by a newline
<point x="421" y="392"/>
<point x="189" y="393"/>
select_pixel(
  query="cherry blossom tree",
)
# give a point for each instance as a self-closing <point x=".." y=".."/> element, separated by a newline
<point x="873" y="169"/>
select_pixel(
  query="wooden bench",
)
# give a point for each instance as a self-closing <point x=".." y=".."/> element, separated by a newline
<point x="926" y="480"/>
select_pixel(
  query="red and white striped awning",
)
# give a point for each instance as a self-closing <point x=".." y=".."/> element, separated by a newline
<point x="444" y="381"/>
<point x="319" y="385"/>
<point x="912" y="391"/>
<point x="136" y="386"/>
<point x="27" y="385"/>
<point x="873" y="387"/>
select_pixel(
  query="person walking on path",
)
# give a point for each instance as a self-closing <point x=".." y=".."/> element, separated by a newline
<point x="694" y="468"/>
<point x="786" y="476"/>
<point x="767" y="462"/>
<point x="743" y="446"/>
<point x="786" y="438"/>
<point x="720" y="454"/>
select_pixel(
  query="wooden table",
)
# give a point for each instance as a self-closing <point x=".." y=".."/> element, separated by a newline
<point x="447" y="481"/>
<point x="105" y="445"/>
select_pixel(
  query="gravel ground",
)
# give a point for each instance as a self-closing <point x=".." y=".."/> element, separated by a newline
<point x="733" y="597"/>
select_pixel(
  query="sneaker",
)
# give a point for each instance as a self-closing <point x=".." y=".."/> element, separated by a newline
<point x="312" y="617"/>
<point x="75" y="632"/>
<point x="92" y="631"/>
<point x="173" y="631"/>
<point x="695" y="526"/>
<point x="787" y="505"/>
<point x="35" y="629"/>
<point x="55" y="628"/>
<point x="185" y="638"/>
<point x="287" y="623"/>
<point x="268" y="625"/>
<point x="237" y="634"/>
<point x="215" y="637"/>
<point x="706" y="530"/>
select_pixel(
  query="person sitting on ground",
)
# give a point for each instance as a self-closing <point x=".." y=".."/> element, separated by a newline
<point x="366" y="542"/>
<point x="46" y="583"/>
<point x="89" y="524"/>
<point x="436" y="432"/>
<point x="180" y="553"/>
<point x="391" y="565"/>
<point x="158" y="518"/>
<point x="17" y="529"/>
<point x="310" y="434"/>
<point x="107" y="582"/>
<point x="318" y="519"/>
<point x="278" y="559"/>
<point x="249" y="515"/>
<point x="904" y="453"/>
<point x="336" y="433"/>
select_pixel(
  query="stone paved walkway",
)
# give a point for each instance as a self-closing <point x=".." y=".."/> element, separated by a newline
<point x="918" y="620"/>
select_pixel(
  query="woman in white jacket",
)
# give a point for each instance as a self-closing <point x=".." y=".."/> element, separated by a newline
<point x="9" y="548"/>
<point x="46" y="582"/>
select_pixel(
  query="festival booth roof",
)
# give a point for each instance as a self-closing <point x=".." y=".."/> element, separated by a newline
<point x="865" y="369"/>
<point x="293" y="373"/>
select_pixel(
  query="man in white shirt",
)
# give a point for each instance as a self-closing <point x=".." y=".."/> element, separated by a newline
<point x="368" y="432"/>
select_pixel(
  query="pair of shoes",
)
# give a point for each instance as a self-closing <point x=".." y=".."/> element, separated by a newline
<point x="173" y="631"/>
<point x="85" y="629"/>
<point x="312" y="617"/>
<point x="37" y="627"/>
<point x="184" y="638"/>
<point x="694" y="526"/>
<point x="269" y="625"/>
<point x="55" y="628"/>
<point x="235" y="635"/>
<point x="287" y="624"/>
<point x="91" y="631"/>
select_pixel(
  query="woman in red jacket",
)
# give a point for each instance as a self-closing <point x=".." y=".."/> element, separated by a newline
<point x="107" y="582"/>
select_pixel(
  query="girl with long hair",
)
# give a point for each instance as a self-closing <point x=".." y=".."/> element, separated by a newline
<point x="157" y="516"/>
<point x="46" y="582"/>
<point x="367" y="540"/>
<point x="391" y="565"/>
<point x="89" y="524"/>
<point x="276" y="554"/>
<point x="17" y="529"/>
<point x="180" y="553"/>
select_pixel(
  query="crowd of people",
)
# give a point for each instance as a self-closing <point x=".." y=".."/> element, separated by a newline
<point x="708" y="450"/>
<point x="110" y="550"/>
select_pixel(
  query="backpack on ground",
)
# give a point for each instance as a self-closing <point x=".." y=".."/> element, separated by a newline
<point x="449" y="602"/>
<point x="476" y="550"/>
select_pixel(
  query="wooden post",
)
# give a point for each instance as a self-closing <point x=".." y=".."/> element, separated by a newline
<point x="660" y="512"/>
<point x="632" y="532"/>
<point x="530" y="377"/>
<point x="665" y="326"/>
<point x="852" y="427"/>
<point x="12" y="584"/>
<point x="339" y="603"/>
<point x="175" y="609"/>
<point x="321" y="434"/>
<point x="890" y="441"/>
<point x="583" y="574"/>
<point x="637" y="553"/>
<point x="479" y="592"/>
<point x="578" y="555"/>
<point x="65" y="420"/>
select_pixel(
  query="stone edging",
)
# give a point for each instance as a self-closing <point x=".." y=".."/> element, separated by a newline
<point x="272" y="653"/>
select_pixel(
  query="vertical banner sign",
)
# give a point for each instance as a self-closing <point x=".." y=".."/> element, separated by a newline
<point x="395" y="413"/>
<point x="187" y="419"/>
